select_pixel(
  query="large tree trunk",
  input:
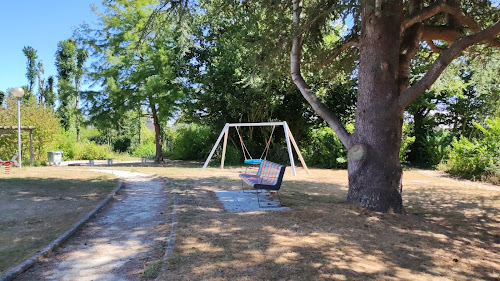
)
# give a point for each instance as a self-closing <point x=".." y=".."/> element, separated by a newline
<point x="156" y="123"/>
<point x="374" y="169"/>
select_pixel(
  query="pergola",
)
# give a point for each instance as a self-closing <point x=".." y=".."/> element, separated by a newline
<point x="24" y="128"/>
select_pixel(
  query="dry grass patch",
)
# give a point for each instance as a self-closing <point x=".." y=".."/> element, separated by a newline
<point x="39" y="204"/>
<point x="451" y="231"/>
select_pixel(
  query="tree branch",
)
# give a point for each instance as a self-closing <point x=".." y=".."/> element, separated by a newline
<point x="347" y="45"/>
<point x="409" y="47"/>
<point x="423" y="14"/>
<point x="440" y="6"/>
<point x="444" y="33"/>
<point x="433" y="47"/>
<point x="446" y="57"/>
<point x="295" y="60"/>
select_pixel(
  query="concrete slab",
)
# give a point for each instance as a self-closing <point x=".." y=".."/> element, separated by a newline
<point x="237" y="201"/>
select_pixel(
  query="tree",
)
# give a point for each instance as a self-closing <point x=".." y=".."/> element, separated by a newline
<point x="231" y="40"/>
<point x="66" y="71"/>
<point x="70" y="65"/>
<point x="387" y="34"/>
<point x="39" y="73"/>
<point x="81" y="57"/>
<point x="140" y="63"/>
<point x="31" y="67"/>
<point x="49" y="95"/>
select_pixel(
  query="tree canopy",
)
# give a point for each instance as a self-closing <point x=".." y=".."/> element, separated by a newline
<point x="140" y="65"/>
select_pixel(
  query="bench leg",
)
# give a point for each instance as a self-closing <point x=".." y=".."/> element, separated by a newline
<point x="279" y="199"/>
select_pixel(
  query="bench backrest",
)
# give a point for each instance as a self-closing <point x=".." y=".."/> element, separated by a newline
<point x="269" y="171"/>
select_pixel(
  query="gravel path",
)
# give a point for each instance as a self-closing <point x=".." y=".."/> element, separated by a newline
<point x="119" y="242"/>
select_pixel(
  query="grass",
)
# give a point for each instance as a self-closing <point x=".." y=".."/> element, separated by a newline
<point x="39" y="204"/>
<point x="151" y="271"/>
<point x="450" y="231"/>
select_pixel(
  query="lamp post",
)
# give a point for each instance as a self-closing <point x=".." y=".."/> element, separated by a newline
<point x="18" y="93"/>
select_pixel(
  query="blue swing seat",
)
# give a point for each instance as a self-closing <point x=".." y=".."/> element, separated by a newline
<point x="253" y="161"/>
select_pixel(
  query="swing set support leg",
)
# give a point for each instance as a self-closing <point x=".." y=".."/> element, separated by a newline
<point x="289" y="147"/>
<point x="215" y="146"/>
<point x="297" y="150"/>
<point x="224" y="148"/>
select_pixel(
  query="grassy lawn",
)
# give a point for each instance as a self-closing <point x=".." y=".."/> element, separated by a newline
<point x="451" y="231"/>
<point x="39" y="204"/>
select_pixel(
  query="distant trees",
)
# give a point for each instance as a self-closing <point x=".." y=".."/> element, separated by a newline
<point x="34" y="72"/>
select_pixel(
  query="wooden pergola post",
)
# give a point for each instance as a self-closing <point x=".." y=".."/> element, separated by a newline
<point x="32" y="156"/>
<point x="24" y="128"/>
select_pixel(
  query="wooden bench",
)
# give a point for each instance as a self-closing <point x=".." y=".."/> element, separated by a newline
<point x="269" y="177"/>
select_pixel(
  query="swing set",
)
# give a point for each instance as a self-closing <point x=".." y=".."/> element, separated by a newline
<point x="248" y="158"/>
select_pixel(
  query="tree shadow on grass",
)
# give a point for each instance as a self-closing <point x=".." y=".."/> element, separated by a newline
<point x="324" y="238"/>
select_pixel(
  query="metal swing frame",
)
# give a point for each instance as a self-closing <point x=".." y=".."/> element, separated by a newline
<point x="288" y="136"/>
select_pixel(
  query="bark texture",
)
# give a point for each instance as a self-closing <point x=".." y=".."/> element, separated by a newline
<point x="375" y="179"/>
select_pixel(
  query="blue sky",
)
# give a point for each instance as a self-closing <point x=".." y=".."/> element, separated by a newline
<point x="40" y="24"/>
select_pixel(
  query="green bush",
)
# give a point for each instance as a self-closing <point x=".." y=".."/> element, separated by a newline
<point x="146" y="149"/>
<point x="467" y="158"/>
<point x="191" y="142"/>
<point x="278" y="153"/>
<point x="406" y="143"/>
<point x="233" y="156"/>
<point x="479" y="158"/>
<point x="86" y="150"/>
<point x="437" y="147"/>
<point x="432" y="148"/>
<point x="66" y="143"/>
<point x="121" y="144"/>
<point x="323" y="149"/>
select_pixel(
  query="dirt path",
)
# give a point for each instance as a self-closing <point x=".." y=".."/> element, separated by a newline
<point x="119" y="242"/>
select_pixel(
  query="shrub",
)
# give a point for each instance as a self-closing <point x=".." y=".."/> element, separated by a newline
<point x="278" y="153"/>
<point x="233" y="156"/>
<point x="479" y="158"/>
<point x="86" y="150"/>
<point x="191" y="142"/>
<point x="146" y="149"/>
<point x="406" y="143"/>
<point x="437" y="147"/>
<point x="323" y="149"/>
<point x="431" y="149"/>
<point x="467" y="158"/>
<point x="66" y="143"/>
<point x="121" y="144"/>
<point x="99" y="139"/>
